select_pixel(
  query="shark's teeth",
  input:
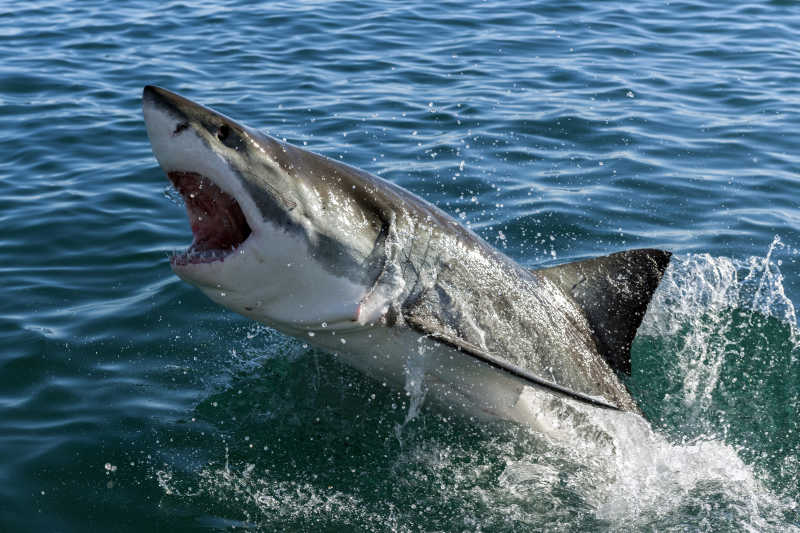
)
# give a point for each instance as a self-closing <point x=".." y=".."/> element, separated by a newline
<point x="217" y="221"/>
<point x="198" y="256"/>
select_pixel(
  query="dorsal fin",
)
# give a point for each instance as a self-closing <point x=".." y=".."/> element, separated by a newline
<point x="613" y="292"/>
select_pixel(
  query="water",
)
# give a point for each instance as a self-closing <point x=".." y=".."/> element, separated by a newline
<point x="556" y="130"/>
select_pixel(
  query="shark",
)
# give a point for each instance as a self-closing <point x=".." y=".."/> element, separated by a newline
<point x="391" y="284"/>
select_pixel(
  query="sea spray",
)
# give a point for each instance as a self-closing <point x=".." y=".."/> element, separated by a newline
<point x="414" y="386"/>
<point x="701" y="309"/>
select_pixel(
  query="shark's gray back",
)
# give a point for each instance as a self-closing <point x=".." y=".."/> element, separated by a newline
<point x="456" y="286"/>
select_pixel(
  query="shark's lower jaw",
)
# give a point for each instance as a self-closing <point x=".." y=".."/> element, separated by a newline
<point x="217" y="221"/>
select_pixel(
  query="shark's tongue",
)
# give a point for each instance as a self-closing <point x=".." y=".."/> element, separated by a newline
<point x="217" y="221"/>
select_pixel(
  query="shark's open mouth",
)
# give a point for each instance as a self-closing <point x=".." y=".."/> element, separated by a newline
<point x="217" y="221"/>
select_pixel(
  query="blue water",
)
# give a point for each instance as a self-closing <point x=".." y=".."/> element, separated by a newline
<point x="556" y="130"/>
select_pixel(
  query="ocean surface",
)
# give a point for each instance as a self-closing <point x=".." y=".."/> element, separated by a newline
<point x="556" y="130"/>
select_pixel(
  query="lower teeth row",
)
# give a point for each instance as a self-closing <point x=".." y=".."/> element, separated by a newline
<point x="187" y="256"/>
<point x="208" y="254"/>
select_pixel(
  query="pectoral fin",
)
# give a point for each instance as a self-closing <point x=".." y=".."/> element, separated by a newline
<point x="431" y="330"/>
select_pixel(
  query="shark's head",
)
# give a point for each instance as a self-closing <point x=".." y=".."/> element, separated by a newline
<point x="280" y="234"/>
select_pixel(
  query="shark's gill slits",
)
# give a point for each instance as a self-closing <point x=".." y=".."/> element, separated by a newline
<point x="217" y="221"/>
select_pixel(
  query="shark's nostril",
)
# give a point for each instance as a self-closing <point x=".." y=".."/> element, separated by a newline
<point x="180" y="127"/>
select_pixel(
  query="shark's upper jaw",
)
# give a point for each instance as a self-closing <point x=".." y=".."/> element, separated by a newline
<point x="201" y="175"/>
<point x="217" y="221"/>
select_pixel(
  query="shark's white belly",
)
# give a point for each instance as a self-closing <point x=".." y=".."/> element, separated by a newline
<point x="450" y="379"/>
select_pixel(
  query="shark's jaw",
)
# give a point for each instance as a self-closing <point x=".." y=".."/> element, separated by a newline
<point x="252" y="250"/>
<point x="218" y="224"/>
<point x="221" y="215"/>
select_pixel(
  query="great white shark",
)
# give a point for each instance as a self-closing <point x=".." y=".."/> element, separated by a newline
<point x="358" y="266"/>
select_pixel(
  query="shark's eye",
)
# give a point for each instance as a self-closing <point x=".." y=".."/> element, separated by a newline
<point x="223" y="133"/>
<point x="229" y="136"/>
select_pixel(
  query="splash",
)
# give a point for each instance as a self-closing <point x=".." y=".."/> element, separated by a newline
<point x="624" y="475"/>
<point x="769" y="297"/>
<point x="696" y="304"/>
<point x="414" y="386"/>
<point x="262" y="502"/>
<point x="640" y="479"/>
<point x="713" y="321"/>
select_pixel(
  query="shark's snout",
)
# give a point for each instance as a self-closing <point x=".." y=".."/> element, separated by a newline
<point x="164" y="99"/>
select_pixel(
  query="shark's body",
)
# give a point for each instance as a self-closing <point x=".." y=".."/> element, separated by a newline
<point x="358" y="266"/>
